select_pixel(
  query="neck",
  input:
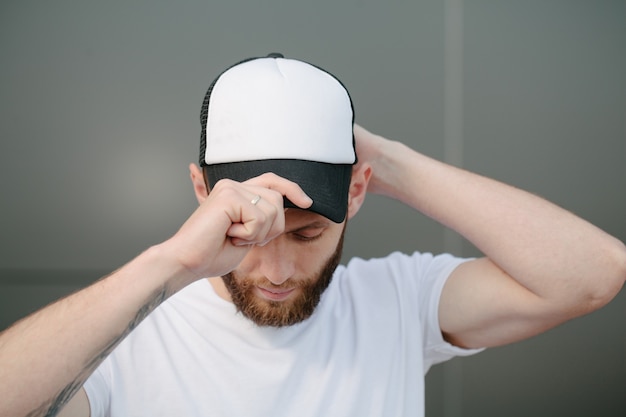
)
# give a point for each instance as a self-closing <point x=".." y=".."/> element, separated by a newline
<point x="220" y="289"/>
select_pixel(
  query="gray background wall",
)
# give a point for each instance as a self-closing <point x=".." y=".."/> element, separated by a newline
<point x="99" y="113"/>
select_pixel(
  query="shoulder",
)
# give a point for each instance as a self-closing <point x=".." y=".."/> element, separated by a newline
<point x="415" y="267"/>
<point x="396" y="279"/>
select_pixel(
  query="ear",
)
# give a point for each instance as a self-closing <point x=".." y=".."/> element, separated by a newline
<point x="361" y="174"/>
<point x="199" y="186"/>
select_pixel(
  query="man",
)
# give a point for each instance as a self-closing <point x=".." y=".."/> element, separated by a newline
<point x="246" y="311"/>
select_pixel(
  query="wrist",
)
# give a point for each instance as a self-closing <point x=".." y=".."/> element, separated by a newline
<point x="392" y="166"/>
<point x="163" y="262"/>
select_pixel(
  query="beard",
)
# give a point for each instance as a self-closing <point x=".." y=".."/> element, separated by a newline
<point x="282" y="313"/>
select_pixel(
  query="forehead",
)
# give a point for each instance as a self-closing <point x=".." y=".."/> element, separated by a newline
<point x="295" y="217"/>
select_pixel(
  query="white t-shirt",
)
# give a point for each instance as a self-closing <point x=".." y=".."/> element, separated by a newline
<point x="364" y="351"/>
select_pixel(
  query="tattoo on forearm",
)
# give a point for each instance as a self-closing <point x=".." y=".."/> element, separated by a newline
<point x="53" y="406"/>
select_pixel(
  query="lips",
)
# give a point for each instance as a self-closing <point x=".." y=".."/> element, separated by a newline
<point x="275" y="294"/>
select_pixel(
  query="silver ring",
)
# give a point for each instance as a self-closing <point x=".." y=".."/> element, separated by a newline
<point x="255" y="200"/>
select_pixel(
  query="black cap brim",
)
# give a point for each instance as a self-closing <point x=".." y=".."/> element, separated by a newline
<point x="327" y="184"/>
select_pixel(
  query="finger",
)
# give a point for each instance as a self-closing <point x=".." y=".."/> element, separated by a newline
<point x="260" y="219"/>
<point x="258" y="233"/>
<point x="255" y="230"/>
<point x="284" y="187"/>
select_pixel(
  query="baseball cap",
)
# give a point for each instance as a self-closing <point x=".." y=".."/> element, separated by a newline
<point x="286" y="116"/>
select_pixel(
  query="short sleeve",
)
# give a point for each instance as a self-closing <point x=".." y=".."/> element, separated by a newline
<point x="410" y="285"/>
<point x="98" y="392"/>
<point x="433" y="273"/>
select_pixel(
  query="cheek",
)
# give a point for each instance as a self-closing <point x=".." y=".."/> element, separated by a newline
<point x="312" y="257"/>
<point x="309" y="260"/>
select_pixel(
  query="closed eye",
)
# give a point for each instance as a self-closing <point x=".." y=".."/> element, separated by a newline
<point x="308" y="234"/>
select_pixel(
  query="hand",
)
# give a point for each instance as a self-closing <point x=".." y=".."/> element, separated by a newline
<point x="233" y="218"/>
<point x="376" y="151"/>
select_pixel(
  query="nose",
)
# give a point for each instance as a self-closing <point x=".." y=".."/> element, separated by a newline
<point x="276" y="262"/>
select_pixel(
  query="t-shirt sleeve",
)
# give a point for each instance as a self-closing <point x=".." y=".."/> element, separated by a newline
<point x="98" y="393"/>
<point x="434" y="272"/>
<point x="425" y="275"/>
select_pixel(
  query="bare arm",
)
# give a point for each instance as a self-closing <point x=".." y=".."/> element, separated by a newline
<point x="45" y="358"/>
<point x="543" y="265"/>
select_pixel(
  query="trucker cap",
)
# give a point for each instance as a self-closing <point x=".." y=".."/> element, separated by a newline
<point x="286" y="116"/>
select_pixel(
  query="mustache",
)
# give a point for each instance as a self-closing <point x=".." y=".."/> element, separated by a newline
<point x="289" y="284"/>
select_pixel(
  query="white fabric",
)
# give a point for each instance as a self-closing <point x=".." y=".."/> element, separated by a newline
<point x="364" y="352"/>
<point x="277" y="108"/>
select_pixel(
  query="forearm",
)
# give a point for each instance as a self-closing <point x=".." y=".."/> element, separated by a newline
<point x="46" y="357"/>
<point x="548" y="250"/>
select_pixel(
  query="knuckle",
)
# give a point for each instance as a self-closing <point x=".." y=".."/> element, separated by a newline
<point x="269" y="175"/>
<point x="261" y="218"/>
<point x="273" y="210"/>
<point x="223" y="186"/>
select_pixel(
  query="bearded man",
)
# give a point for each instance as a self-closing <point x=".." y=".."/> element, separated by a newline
<point x="246" y="311"/>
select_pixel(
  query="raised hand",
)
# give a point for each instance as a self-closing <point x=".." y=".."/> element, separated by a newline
<point x="230" y="220"/>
